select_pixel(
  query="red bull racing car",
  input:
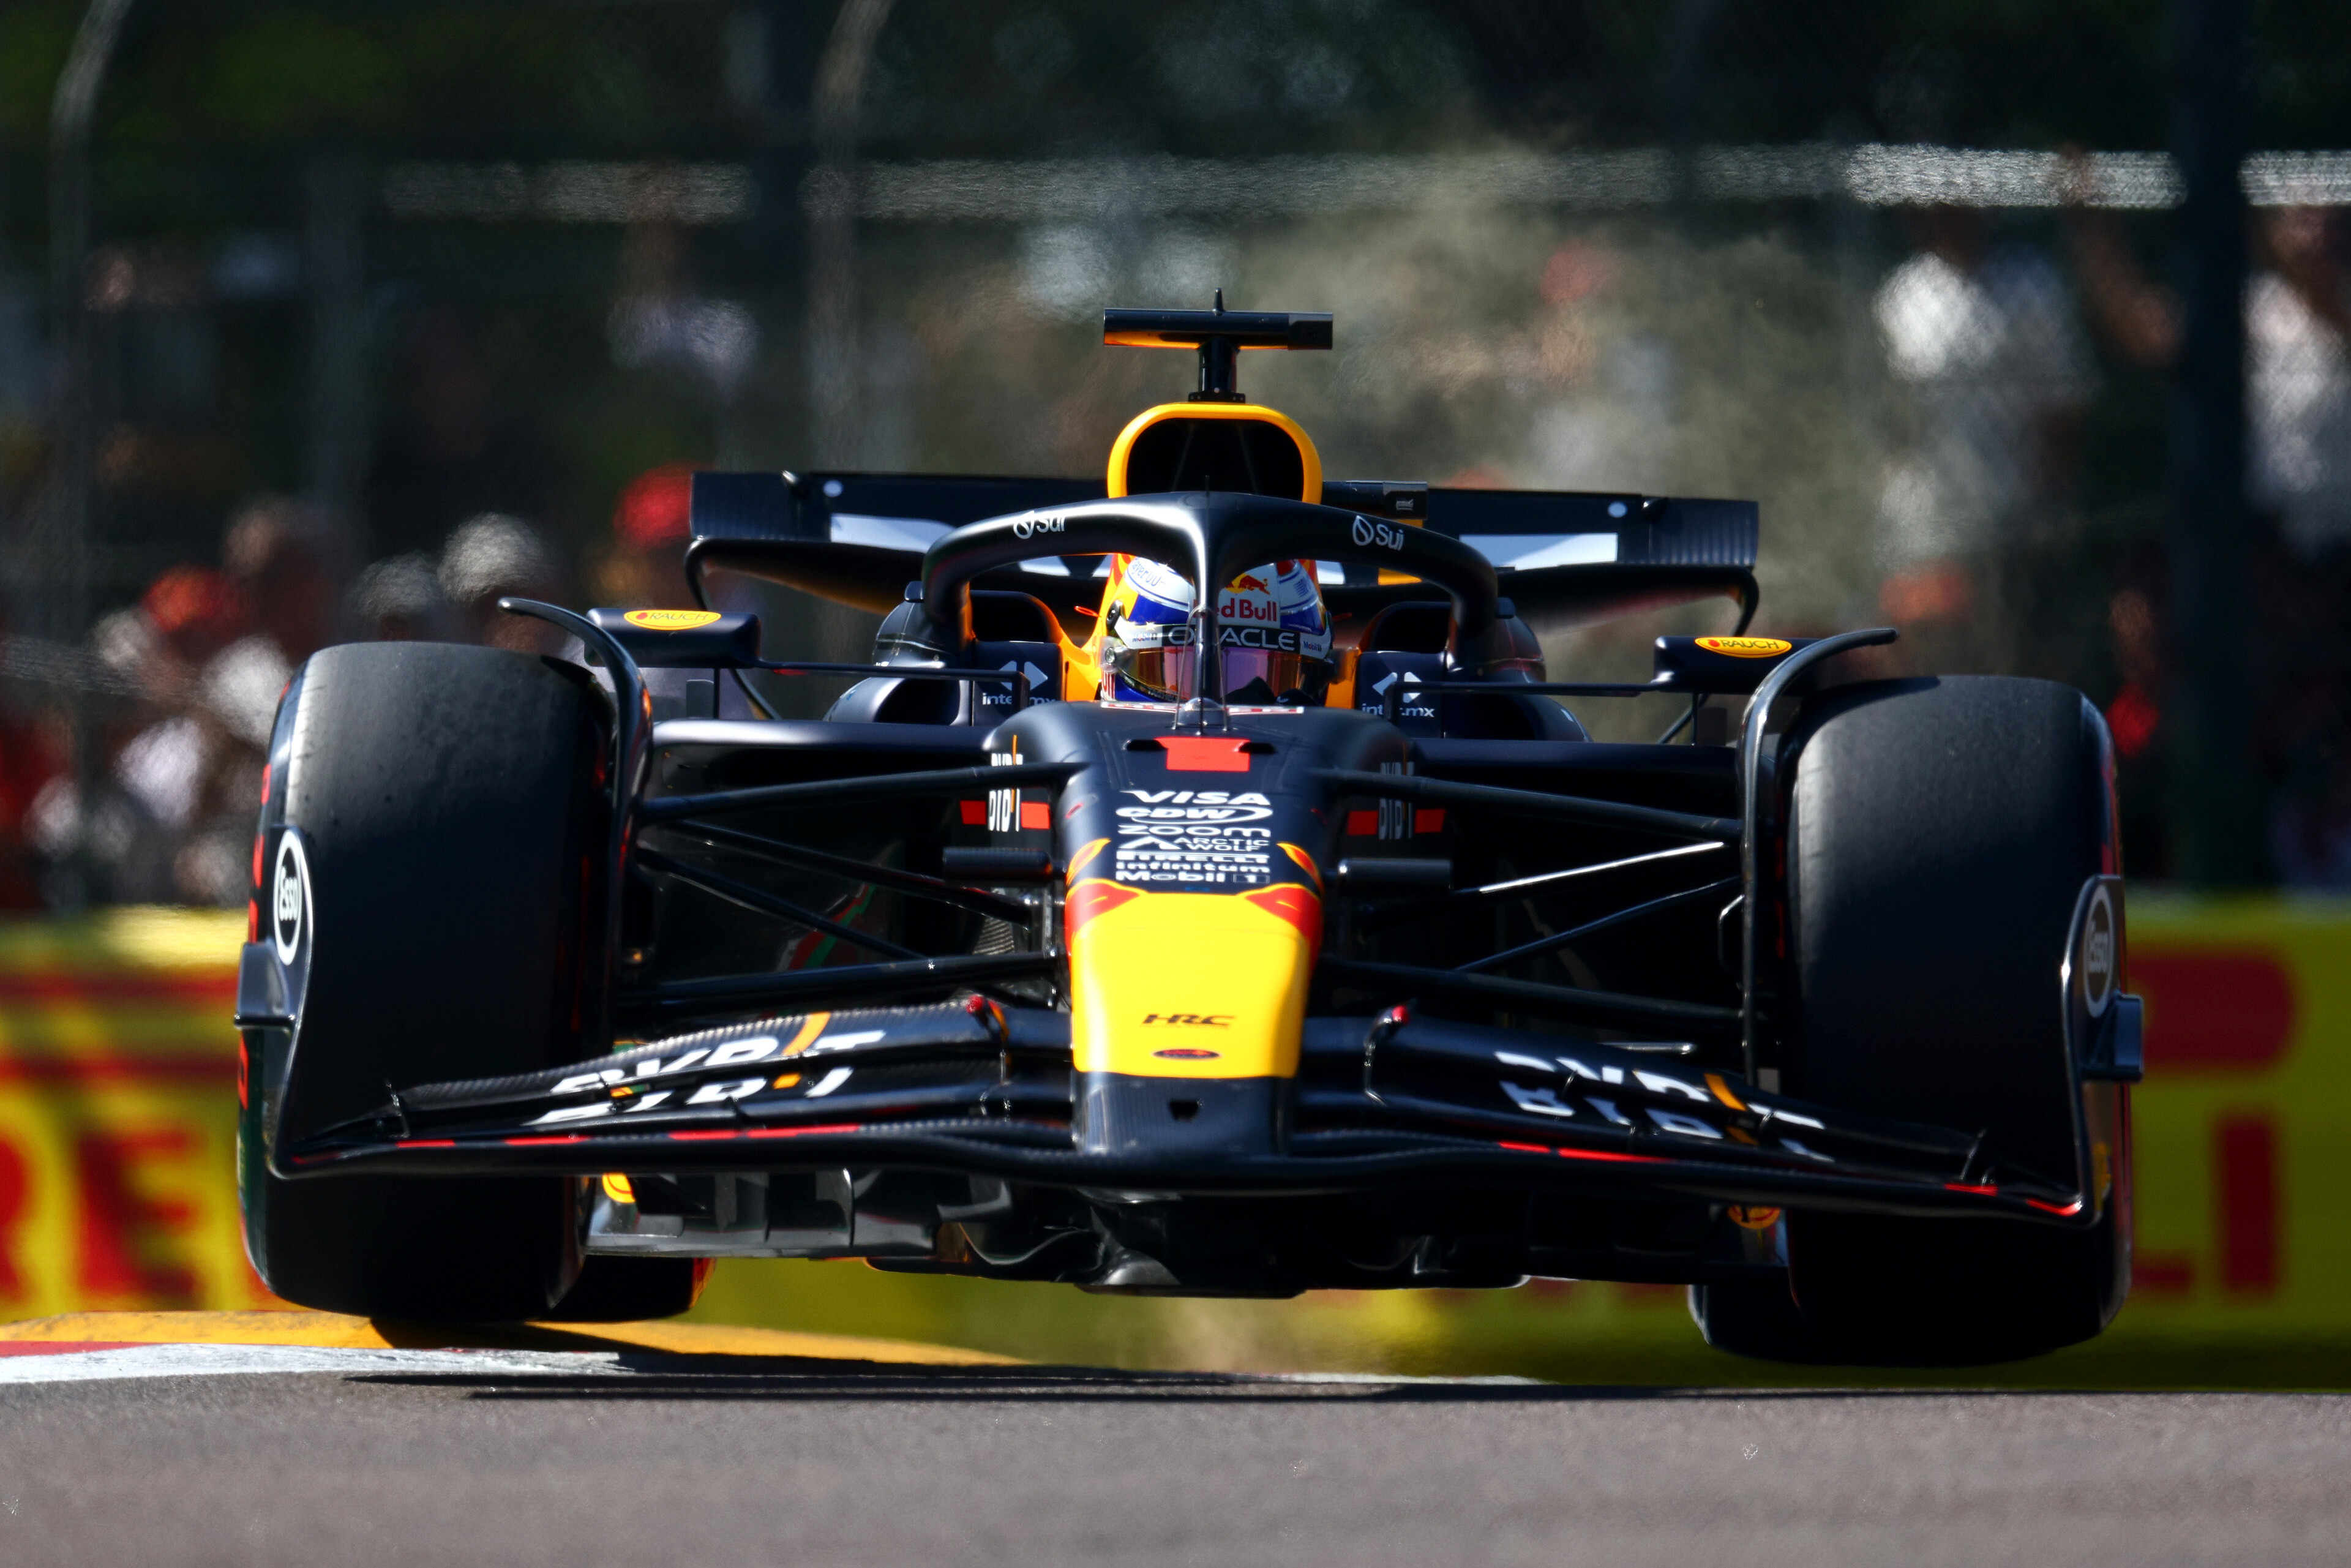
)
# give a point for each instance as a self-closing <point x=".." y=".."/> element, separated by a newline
<point x="1288" y="934"/>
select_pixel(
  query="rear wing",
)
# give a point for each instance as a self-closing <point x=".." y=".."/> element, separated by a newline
<point x="1566" y="556"/>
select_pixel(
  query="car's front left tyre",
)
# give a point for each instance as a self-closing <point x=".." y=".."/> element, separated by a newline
<point x="1940" y="833"/>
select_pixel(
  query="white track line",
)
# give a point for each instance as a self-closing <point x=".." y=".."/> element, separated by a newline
<point x="213" y="1360"/>
<point x="1382" y="1379"/>
<point x="217" y="1360"/>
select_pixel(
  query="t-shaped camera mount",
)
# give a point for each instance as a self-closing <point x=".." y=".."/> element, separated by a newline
<point x="1220" y="334"/>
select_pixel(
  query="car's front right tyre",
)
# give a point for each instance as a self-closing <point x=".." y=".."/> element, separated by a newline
<point x="443" y="802"/>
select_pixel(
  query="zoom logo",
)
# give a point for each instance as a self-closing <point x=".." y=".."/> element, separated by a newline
<point x="1387" y="535"/>
<point x="1030" y="528"/>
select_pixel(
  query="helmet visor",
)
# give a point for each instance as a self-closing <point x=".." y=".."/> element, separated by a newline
<point x="1168" y="673"/>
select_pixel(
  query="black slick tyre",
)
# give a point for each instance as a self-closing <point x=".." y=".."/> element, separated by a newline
<point x="444" y="797"/>
<point x="1940" y="832"/>
<point x="612" y="1290"/>
<point x="1754" y="1318"/>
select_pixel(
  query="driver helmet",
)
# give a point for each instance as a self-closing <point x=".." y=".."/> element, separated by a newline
<point x="1276" y="637"/>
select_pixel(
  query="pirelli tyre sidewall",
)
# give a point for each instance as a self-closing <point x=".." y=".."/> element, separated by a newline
<point x="443" y="806"/>
<point x="1938" y="833"/>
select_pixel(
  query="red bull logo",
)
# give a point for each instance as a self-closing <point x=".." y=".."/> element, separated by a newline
<point x="1239" y="606"/>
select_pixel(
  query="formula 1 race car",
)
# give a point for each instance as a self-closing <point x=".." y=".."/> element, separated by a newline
<point x="1154" y="920"/>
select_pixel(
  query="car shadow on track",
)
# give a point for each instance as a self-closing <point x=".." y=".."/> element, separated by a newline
<point x="751" y="1378"/>
<point x="761" y="1378"/>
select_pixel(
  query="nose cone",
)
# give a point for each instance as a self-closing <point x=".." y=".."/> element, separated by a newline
<point x="1186" y="1011"/>
<point x="1190" y="984"/>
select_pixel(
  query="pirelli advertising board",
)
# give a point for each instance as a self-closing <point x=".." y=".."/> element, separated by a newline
<point x="118" y="1114"/>
<point x="117" y="1111"/>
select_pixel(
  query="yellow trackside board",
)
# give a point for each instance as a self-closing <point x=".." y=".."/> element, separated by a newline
<point x="1190" y="984"/>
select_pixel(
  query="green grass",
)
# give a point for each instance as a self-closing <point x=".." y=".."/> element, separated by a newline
<point x="1584" y="1333"/>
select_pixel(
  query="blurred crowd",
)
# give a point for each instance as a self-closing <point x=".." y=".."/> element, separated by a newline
<point x="2008" y="482"/>
<point x="130" y="768"/>
<point x="176" y="695"/>
<point x="2001" y="347"/>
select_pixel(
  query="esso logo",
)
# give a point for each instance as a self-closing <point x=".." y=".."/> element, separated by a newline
<point x="1386" y="536"/>
<point x="1030" y="528"/>
<point x="2099" y="958"/>
<point x="289" y="898"/>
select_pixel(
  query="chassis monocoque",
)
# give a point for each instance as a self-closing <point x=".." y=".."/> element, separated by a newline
<point x="561" y="984"/>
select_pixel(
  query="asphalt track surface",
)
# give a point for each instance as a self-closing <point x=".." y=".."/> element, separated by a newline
<point x="429" y="1458"/>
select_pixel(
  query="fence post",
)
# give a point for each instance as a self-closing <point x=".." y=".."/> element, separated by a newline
<point x="72" y="565"/>
<point x="2215" y="804"/>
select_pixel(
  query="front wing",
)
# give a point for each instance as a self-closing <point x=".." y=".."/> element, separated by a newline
<point x="984" y="1089"/>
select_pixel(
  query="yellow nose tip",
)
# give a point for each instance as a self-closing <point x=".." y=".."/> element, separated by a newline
<point x="1191" y="985"/>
